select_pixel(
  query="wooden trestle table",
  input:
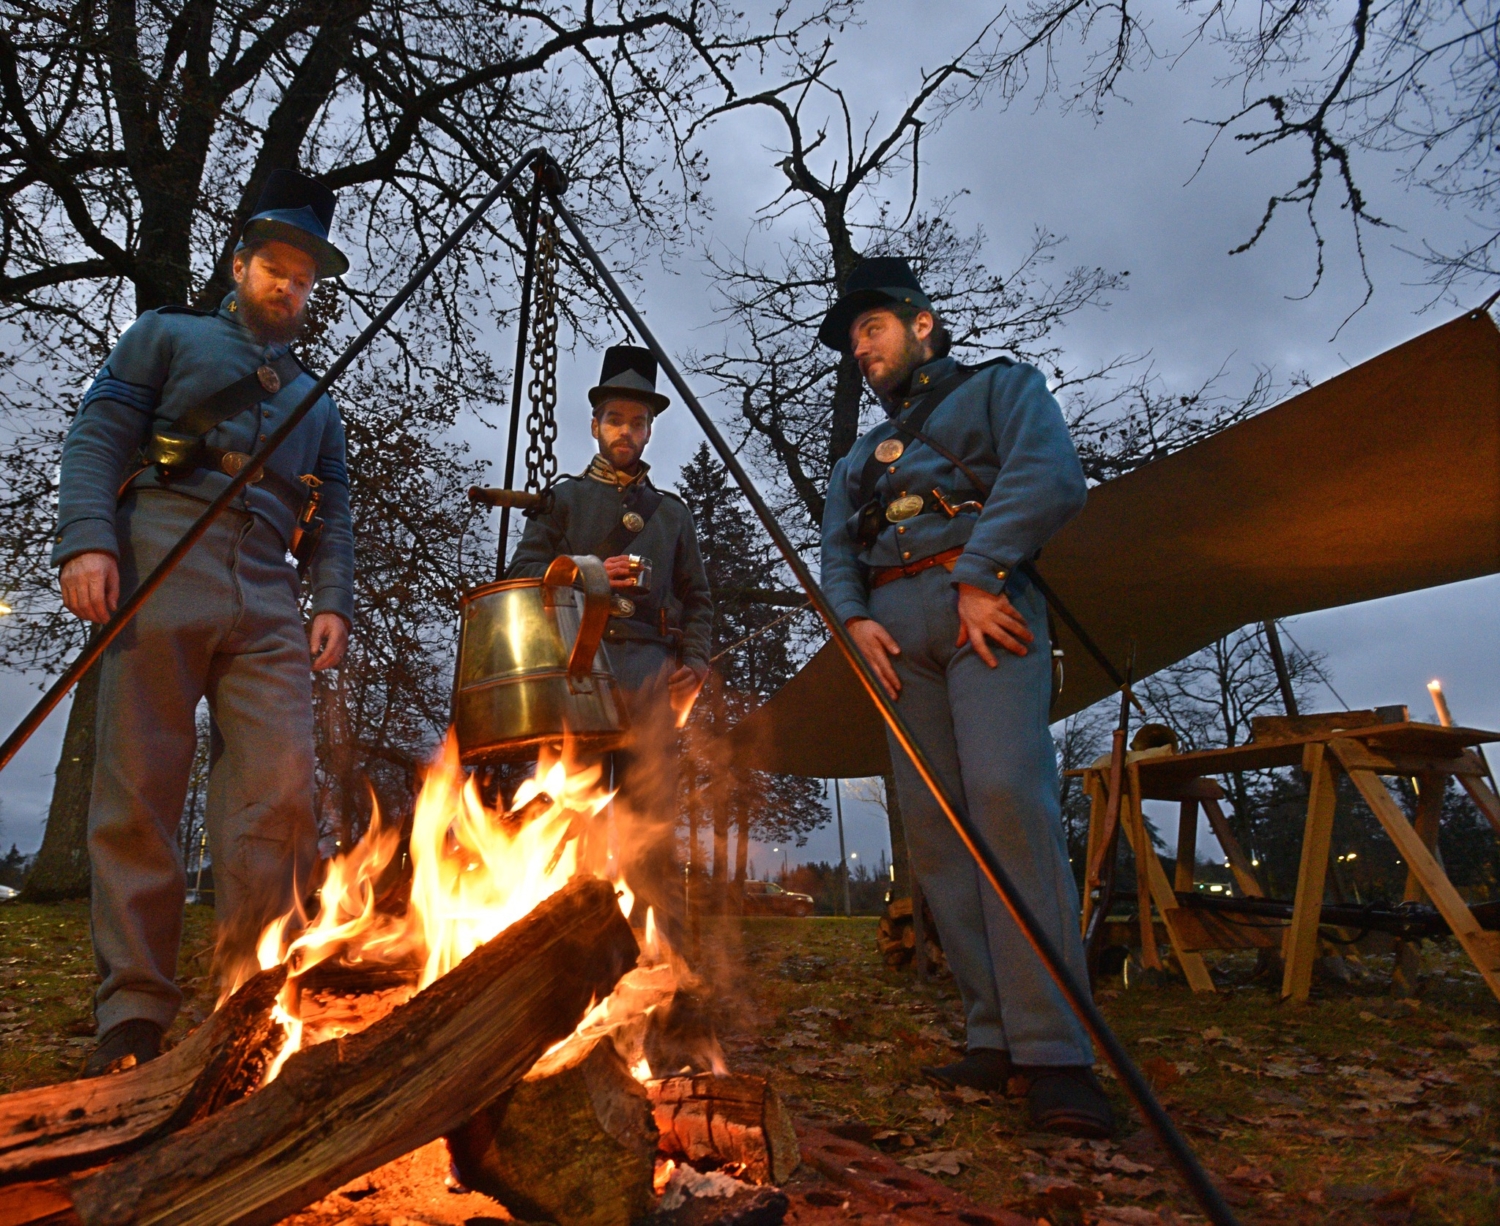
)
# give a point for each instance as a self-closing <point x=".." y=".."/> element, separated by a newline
<point x="1428" y="753"/>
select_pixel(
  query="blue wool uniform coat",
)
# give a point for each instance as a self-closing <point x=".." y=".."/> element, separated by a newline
<point x="984" y="729"/>
<point x="1005" y="426"/>
<point x="166" y="362"/>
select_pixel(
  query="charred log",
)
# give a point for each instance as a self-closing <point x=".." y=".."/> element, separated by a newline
<point x="574" y="1143"/>
<point x="59" y="1128"/>
<point x="730" y="1120"/>
<point x="344" y="1107"/>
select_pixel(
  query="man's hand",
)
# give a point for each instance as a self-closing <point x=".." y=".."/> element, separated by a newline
<point x="877" y="646"/>
<point x="982" y="617"/>
<point x="618" y="570"/>
<point x="91" y="585"/>
<point x="682" y="691"/>
<point x="327" y="637"/>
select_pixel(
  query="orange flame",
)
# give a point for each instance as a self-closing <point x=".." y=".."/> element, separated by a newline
<point x="474" y="872"/>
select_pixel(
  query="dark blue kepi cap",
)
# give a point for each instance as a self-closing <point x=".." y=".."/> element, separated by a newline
<point x="297" y="210"/>
<point x="881" y="280"/>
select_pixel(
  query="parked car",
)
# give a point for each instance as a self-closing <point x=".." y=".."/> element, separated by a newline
<point x="768" y="898"/>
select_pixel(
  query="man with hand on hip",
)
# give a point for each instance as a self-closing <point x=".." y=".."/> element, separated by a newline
<point x="181" y="402"/>
<point x="928" y="518"/>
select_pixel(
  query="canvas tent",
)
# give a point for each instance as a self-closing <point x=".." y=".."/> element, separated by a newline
<point x="1384" y="479"/>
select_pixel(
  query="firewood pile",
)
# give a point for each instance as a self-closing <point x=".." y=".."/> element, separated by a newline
<point x="519" y="1056"/>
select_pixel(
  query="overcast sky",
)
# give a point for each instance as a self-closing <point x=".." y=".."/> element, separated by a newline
<point x="1122" y="189"/>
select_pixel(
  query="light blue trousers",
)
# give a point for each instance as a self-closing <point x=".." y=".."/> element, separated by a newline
<point x="985" y="731"/>
<point x="225" y="625"/>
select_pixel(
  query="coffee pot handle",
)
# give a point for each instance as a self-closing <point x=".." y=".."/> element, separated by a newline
<point x="566" y="571"/>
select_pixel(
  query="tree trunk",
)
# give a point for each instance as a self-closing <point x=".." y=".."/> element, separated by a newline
<point x="62" y="865"/>
<point x="721" y="841"/>
<point x="900" y="857"/>
<point x="742" y="844"/>
<point x="346" y="1106"/>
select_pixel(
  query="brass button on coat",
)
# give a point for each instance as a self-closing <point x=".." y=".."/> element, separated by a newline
<point x="633" y="521"/>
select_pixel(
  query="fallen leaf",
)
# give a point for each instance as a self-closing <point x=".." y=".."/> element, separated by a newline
<point x="1253" y="1176"/>
<point x="1126" y="1215"/>
<point x="936" y="1116"/>
<point x="923" y="1094"/>
<point x="969" y="1095"/>
<point x="1186" y="1067"/>
<point x="939" y="1161"/>
<point x="1042" y="1184"/>
<point x="1160" y="1072"/>
<point x="1484" y="1052"/>
<point x="1136" y="1189"/>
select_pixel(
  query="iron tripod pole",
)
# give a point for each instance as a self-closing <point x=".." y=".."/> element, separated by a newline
<point x="1076" y="993"/>
<point x="111" y="629"/>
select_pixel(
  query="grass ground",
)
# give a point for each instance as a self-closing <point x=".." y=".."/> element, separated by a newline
<point x="1354" y="1108"/>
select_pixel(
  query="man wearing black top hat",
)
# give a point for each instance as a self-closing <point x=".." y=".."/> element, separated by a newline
<point x="181" y="402"/>
<point x="658" y="637"/>
<point x="927" y="521"/>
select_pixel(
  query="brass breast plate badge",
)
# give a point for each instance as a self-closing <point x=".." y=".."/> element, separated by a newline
<point x="269" y="379"/>
<point x="890" y="451"/>
<point x="231" y="462"/>
<point x="903" y="508"/>
<point x="633" y="521"/>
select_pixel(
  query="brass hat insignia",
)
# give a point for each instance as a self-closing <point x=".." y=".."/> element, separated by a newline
<point x="890" y="451"/>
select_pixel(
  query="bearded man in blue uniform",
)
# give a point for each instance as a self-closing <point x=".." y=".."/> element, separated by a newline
<point x="183" y="399"/>
<point x="923" y="533"/>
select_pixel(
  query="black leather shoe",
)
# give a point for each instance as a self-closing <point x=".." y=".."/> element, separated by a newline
<point x="1068" y="1099"/>
<point x="124" y="1046"/>
<point x="983" y="1068"/>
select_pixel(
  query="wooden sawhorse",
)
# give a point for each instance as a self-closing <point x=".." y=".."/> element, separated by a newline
<point x="1324" y="746"/>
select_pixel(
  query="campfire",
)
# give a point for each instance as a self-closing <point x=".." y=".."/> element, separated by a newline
<point x="503" y="1001"/>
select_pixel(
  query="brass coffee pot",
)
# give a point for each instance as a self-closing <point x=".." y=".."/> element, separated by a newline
<point x="529" y="669"/>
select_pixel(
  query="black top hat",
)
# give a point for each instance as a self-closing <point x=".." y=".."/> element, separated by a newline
<point x="629" y="373"/>
<point x="877" y="281"/>
<point x="297" y="210"/>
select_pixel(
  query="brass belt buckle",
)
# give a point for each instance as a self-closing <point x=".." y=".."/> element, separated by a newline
<point x="621" y="606"/>
<point x="904" y="507"/>
<point x="231" y="462"/>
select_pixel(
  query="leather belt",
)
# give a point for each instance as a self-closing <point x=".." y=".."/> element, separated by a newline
<point x="881" y="575"/>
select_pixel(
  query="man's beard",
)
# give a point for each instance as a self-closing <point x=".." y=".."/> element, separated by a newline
<point x="273" y="327"/>
<point x="631" y="457"/>
<point x="913" y="355"/>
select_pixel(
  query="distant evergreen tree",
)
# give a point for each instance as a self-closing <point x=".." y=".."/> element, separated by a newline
<point x="763" y="645"/>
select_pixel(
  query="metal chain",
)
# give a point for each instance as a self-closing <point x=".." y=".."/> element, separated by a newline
<point x="541" y="420"/>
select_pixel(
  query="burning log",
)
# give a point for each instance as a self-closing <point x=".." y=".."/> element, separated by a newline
<point x="731" y="1119"/>
<point x="574" y="1143"/>
<point x="344" y="1107"/>
<point x="54" y="1129"/>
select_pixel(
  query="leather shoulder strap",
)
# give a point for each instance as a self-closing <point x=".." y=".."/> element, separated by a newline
<point x="912" y="422"/>
<point x="240" y="395"/>
<point x="643" y="499"/>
